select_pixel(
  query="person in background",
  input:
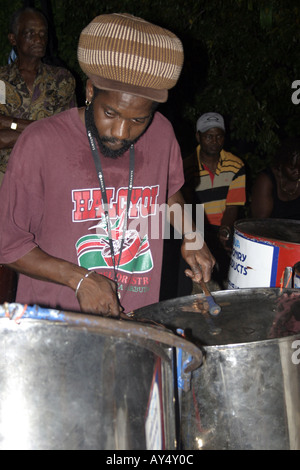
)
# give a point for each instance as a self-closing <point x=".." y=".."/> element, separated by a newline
<point x="30" y="89"/>
<point x="276" y="190"/>
<point x="215" y="178"/>
<point x="81" y="196"/>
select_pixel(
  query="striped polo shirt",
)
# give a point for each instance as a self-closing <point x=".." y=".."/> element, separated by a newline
<point x="226" y="187"/>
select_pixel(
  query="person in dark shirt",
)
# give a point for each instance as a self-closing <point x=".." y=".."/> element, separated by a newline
<point x="276" y="190"/>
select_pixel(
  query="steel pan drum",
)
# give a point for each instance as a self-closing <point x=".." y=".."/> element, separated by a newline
<point x="262" y="250"/>
<point x="246" y="395"/>
<point x="71" y="381"/>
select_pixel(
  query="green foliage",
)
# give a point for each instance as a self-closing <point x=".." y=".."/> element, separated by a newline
<point x="5" y="14"/>
<point x="253" y="60"/>
<point x="241" y="58"/>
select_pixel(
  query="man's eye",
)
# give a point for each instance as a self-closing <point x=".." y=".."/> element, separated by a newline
<point x="139" y="121"/>
<point x="108" y="113"/>
<point x="30" y="34"/>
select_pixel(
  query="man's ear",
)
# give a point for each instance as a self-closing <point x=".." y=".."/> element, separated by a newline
<point x="197" y="135"/>
<point x="89" y="90"/>
<point x="12" y="39"/>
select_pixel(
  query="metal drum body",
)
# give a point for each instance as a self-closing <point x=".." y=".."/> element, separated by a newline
<point x="246" y="395"/>
<point x="262" y="249"/>
<point x="71" y="381"/>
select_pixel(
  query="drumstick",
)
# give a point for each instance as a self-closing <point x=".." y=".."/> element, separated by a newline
<point x="214" y="309"/>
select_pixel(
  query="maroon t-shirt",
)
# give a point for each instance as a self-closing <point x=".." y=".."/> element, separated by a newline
<point x="50" y="197"/>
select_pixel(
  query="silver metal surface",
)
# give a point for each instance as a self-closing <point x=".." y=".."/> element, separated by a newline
<point x="70" y="381"/>
<point x="246" y="395"/>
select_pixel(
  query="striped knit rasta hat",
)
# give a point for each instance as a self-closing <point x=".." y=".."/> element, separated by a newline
<point x="121" y="52"/>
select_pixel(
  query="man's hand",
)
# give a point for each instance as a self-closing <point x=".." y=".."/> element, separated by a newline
<point x="97" y="294"/>
<point x="197" y="255"/>
<point x="193" y="249"/>
<point x="224" y="236"/>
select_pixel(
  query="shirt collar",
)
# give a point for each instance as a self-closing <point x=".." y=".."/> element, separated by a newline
<point x="15" y="72"/>
<point x="220" y="162"/>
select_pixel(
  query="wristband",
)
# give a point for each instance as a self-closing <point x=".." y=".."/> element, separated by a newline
<point x="14" y="125"/>
<point x="226" y="229"/>
<point x="82" y="279"/>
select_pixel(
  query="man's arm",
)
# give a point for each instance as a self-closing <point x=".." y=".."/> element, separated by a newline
<point x="9" y="136"/>
<point x="66" y="95"/>
<point x="262" y="197"/>
<point x="194" y="249"/>
<point x="235" y="200"/>
<point x="96" y="294"/>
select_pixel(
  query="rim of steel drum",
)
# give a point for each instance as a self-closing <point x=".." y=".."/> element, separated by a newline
<point x="283" y="230"/>
<point x="247" y="316"/>
<point x="122" y="329"/>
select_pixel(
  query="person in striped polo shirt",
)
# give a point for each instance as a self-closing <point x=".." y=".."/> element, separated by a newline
<point x="216" y="178"/>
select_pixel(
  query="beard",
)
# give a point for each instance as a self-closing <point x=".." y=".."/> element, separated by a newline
<point x="106" y="151"/>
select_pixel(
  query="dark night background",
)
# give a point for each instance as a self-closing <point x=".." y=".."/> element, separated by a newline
<point x="241" y="59"/>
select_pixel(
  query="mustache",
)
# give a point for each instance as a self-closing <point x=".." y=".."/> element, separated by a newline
<point x="112" y="140"/>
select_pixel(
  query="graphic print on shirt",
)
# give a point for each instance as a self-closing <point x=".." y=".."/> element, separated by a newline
<point x="93" y="249"/>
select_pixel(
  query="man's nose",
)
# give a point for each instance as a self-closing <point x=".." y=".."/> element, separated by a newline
<point x="38" y="37"/>
<point x="120" y="129"/>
